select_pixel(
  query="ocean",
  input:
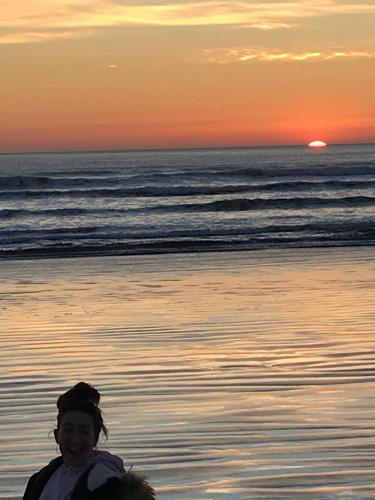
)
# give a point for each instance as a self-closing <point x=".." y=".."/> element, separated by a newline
<point x="142" y="202"/>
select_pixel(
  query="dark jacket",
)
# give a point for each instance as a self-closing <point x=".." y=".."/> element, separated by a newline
<point x="130" y="486"/>
<point x="108" y="491"/>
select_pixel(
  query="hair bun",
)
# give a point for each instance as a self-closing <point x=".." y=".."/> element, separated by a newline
<point x="81" y="391"/>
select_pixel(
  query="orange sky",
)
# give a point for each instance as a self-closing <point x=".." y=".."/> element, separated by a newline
<point x="118" y="74"/>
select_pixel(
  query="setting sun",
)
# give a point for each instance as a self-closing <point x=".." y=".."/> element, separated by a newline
<point x="317" y="144"/>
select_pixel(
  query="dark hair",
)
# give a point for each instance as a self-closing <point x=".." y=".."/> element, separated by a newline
<point x="82" y="397"/>
<point x="134" y="486"/>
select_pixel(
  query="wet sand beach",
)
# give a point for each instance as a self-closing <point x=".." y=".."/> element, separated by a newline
<point x="244" y="375"/>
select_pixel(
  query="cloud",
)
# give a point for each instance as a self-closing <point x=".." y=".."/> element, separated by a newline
<point x="244" y="54"/>
<point x="22" y="37"/>
<point x="265" y="26"/>
<point x="66" y="15"/>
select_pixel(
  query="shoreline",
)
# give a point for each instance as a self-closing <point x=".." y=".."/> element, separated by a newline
<point x="78" y="254"/>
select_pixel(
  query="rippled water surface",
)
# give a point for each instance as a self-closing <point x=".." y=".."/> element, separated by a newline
<point x="235" y="375"/>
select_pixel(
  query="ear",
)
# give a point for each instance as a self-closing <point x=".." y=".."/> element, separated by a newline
<point x="55" y="433"/>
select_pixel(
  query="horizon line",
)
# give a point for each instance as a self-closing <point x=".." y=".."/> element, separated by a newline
<point x="165" y="149"/>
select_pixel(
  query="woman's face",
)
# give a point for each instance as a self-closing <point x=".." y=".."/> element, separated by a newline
<point x="76" y="437"/>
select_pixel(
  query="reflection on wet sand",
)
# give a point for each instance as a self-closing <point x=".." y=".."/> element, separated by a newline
<point x="228" y="376"/>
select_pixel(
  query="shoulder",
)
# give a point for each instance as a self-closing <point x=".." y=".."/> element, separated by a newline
<point x="101" y="479"/>
<point x="99" y="474"/>
<point x="30" y="487"/>
<point x="109" y="490"/>
<point x="38" y="480"/>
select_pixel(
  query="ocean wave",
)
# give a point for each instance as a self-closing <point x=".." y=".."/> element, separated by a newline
<point x="227" y="205"/>
<point x="25" y="183"/>
<point x="176" y="191"/>
<point x="242" y="204"/>
<point x="330" y="172"/>
<point x="172" y="176"/>
<point x="144" y="191"/>
<point x="13" y="213"/>
<point x="129" y="236"/>
<point x="179" y="246"/>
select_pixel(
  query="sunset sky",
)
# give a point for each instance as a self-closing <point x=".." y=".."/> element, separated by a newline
<point x="119" y="74"/>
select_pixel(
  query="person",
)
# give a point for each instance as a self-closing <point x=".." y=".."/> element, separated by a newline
<point x="82" y="472"/>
